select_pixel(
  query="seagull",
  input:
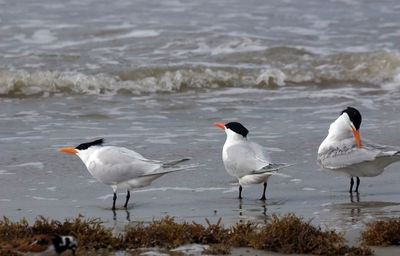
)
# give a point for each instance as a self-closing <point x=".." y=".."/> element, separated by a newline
<point x="343" y="151"/>
<point x="245" y="160"/>
<point x="122" y="168"/>
<point x="43" y="244"/>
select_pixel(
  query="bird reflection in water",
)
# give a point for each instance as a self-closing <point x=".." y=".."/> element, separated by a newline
<point x="243" y="217"/>
<point x="355" y="211"/>
<point x="357" y="197"/>
<point x="128" y="215"/>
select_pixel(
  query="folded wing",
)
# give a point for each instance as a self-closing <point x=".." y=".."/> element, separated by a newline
<point x="336" y="158"/>
<point x="113" y="165"/>
<point x="246" y="158"/>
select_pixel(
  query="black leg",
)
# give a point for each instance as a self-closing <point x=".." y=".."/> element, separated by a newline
<point x="263" y="195"/>
<point x="240" y="191"/>
<point x="114" y="199"/>
<point x="351" y="184"/>
<point x="358" y="184"/>
<point x="128" y="195"/>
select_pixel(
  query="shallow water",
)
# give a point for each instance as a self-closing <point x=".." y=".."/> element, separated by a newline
<point x="39" y="180"/>
<point x="70" y="74"/>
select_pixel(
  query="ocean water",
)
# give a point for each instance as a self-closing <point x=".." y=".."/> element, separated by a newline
<point x="154" y="77"/>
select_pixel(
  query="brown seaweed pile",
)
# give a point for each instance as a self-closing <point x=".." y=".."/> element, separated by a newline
<point x="382" y="233"/>
<point x="90" y="233"/>
<point x="287" y="234"/>
<point x="291" y="234"/>
<point x="169" y="234"/>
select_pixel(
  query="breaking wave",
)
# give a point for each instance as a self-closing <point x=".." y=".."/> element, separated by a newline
<point x="379" y="69"/>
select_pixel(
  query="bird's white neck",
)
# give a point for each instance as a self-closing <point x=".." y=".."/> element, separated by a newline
<point x="84" y="155"/>
<point x="338" y="131"/>
<point x="233" y="138"/>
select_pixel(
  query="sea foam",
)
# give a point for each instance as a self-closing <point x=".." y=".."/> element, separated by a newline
<point x="369" y="69"/>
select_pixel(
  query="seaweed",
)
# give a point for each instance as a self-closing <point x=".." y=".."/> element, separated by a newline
<point x="10" y="230"/>
<point x="242" y="234"/>
<point x="291" y="234"/>
<point x="90" y="233"/>
<point x="170" y="234"/>
<point x="7" y="252"/>
<point x="286" y="234"/>
<point x="382" y="233"/>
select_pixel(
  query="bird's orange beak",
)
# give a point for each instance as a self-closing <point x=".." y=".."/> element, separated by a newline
<point x="220" y="125"/>
<point x="356" y="134"/>
<point x="70" y="150"/>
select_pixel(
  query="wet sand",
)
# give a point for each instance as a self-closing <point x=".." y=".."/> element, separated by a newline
<point x="197" y="249"/>
<point x="379" y="251"/>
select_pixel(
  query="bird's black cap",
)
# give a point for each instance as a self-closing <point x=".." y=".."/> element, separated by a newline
<point x="354" y="116"/>
<point x="87" y="145"/>
<point x="238" y="128"/>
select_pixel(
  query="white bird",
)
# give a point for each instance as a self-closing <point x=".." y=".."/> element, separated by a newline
<point x="120" y="167"/>
<point x="343" y="151"/>
<point x="245" y="160"/>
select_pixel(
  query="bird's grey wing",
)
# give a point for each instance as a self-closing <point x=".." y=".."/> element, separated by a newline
<point x="264" y="158"/>
<point x="385" y="149"/>
<point x="120" y="164"/>
<point x="119" y="154"/>
<point x="336" y="158"/>
<point x="259" y="153"/>
<point x="246" y="158"/>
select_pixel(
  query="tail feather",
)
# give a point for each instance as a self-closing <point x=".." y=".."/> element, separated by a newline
<point x="175" y="162"/>
<point x="272" y="168"/>
<point x="396" y="156"/>
<point x="174" y="169"/>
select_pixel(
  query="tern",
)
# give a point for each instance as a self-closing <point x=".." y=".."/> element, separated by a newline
<point x="43" y="244"/>
<point x="245" y="160"/>
<point x="122" y="168"/>
<point x="343" y="151"/>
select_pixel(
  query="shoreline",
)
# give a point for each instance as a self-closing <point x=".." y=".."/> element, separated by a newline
<point x="378" y="251"/>
<point x="281" y="235"/>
